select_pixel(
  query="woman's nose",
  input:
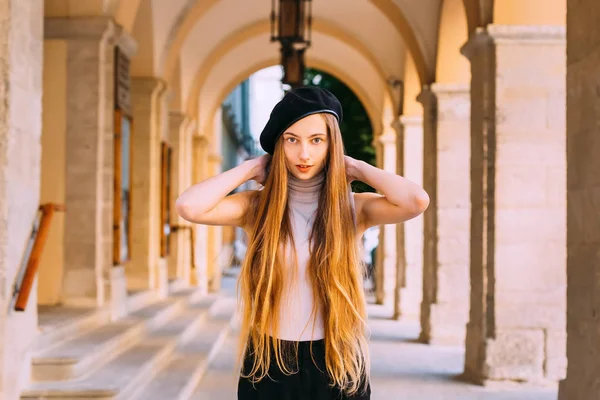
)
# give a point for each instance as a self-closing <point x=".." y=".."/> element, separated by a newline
<point x="304" y="154"/>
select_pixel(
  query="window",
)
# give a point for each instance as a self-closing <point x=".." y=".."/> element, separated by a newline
<point x="165" y="189"/>
<point x="122" y="188"/>
<point x="123" y="130"/>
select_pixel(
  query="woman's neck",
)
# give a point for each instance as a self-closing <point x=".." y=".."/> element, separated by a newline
<point x="305" y="190"/>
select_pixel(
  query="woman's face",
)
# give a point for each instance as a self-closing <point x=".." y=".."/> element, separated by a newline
<point x="305" y="145"/>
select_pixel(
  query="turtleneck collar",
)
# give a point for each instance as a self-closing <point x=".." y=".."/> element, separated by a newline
<point x="305" y="191"/>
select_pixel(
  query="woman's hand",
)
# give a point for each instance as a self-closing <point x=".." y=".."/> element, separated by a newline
<point x="260" y="168"/>
<point x="352" y="169"/>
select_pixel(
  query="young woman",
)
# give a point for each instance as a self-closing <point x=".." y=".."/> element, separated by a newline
<point x="303" y="331"/>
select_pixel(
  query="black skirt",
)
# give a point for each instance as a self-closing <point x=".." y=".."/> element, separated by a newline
<point x="309" y="381"/>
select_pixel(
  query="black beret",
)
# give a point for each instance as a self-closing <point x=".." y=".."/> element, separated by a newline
<point x="295" y="105"/>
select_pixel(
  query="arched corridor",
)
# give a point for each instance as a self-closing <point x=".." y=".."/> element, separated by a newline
<point x="111" y="108"/>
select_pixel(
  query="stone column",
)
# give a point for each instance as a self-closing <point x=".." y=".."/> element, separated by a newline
<point x="516" y="329"/>
<point x="178" y="270"/>
<point x="145" y="271"/>
<point x="400" y="231"/>
<point x="386" y="251"/>
<point x="187" y="181"/>
<point x="583" y="198"/>
<point x="411" y="157"/>
<point x="445" y="305"/>
<point x="378" y="273"/>
<point x="88" y="227"/>
<point x="215" y="235"/>
<point x="200" y="172"/>
<point x="21" y="57"/>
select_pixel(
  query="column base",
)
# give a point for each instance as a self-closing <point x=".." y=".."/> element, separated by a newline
<point x="515" y="355"/>
<point x="90" y="293"/>
<point x="162" y="278"/>
<point x="508" y="384"/>
<point x="117" y="289"/>
<point x="138" y="281"/>
<point x="446" y="326"/>
<point x="410" y="304"/>
<point x="201" y="282"/>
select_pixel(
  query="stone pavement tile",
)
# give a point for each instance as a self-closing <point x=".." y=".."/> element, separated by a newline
<point x="402" y="369"/>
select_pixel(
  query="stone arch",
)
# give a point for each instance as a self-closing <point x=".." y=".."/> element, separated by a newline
<point x="143" y="62"/>
<point x="397" y="17"/>
<point x="412" y="88"/>
<point x="451" y="66"/>
<point x="192" y="14"/>
<point x="262" y="28"/>
<point x="472" y="14"/>
<point x="126" y="13"/>
<point x="318" y="64"/>
<point x="203" y="98"/>
<point x="175" y="99"/>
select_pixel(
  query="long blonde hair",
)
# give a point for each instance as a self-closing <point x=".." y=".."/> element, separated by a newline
<point x="334" y="270"/>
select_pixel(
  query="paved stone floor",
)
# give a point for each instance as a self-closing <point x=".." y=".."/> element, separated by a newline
<point x="401" y="369"/>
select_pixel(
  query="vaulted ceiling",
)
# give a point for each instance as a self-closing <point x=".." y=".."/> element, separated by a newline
<point x="203" y="48"/>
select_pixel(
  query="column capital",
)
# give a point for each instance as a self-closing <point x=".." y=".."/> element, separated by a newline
<point x="126" y="43"/>
<point x="148" y="85"/>
<point x="177" y="118"/>
<point x="505" y="34"/>
<point x="425" y="95"/>
<point x="411" y="120"/>
<point x="397" y="125"/>
<point x="215" y="158"/>
<point x="201" y="140"/>
<point x="481" y="39"/>
<point x="191" y="125"/>
<point x="451" y="88"/>
<point x="82" y="28"/>
<point x="387" y="139"/>
<point x="528" y="33"/>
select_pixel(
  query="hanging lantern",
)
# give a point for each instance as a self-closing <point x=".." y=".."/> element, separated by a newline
<point x="292" y="20"/>
<point x="292" y="60"/>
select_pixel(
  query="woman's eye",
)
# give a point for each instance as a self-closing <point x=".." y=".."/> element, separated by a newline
<point x="290" y="139"/>
<point x="319" y="140"/>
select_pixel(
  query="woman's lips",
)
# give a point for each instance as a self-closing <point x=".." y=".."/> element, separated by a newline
<point x="304" y="168"/>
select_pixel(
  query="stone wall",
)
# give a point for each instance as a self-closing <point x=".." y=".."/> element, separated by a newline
<point x="21" y="52"/>
<point x="583" y="199"/>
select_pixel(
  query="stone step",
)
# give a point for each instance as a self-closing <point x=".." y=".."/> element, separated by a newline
<point x="221" y="378"/>
<point x="183" y="327"/>
<point x="137" y="300"/>
<point x="123" y="373"/>
<point x="60" y="324"/>
<point x="81" y="354"/>
<point x="176" y="285"/>
<point x="116" y="380"/>
<point x="186" y="367"/>
<point x="195" y="296"/>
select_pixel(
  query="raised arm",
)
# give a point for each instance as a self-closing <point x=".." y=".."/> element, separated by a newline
<point x="207" y="202"/>
<point x="401" y="199"/>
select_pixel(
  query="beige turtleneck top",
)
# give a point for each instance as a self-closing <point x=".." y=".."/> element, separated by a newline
<point x="295" y="320"/>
